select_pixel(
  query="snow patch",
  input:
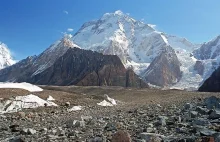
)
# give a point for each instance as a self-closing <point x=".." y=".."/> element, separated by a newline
<point x="152" y="26"/>
<point x="110" y="99"/>
<point x="165" y="39"/>
<point x="50" y="98"/>
<point x="109" y="102"/>
<point x="104" y="103"/>
<point x="75" y="108"/>
<point x="24" y="85"/>
<point x="23" y="102"/>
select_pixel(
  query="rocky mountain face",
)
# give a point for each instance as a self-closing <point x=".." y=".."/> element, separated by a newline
<point x="5" y="56"/>
<point x="209" y="54"/>
<point x="208" y="57"/>
<point x="64" y="63"/>
<point x="212" y="84"/>
<point x="87" y="68"/>
<point x="156" y="57"/>
<point x="210" y="50"/>
<point x="140" y="46"/>
<point x="33" y="65"/>
<point x="164" y="69"/>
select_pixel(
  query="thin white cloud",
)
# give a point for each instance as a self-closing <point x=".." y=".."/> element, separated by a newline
<point x="70" y="30"/>
<point x="66" y="12"/>
<point x="142" y="19"/>
<point x="66" y="35"/>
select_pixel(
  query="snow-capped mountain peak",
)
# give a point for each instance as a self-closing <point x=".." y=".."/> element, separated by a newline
<point x="136" y="43"/>
<point x="209" y="50"/>
<point x="5" y="56"/>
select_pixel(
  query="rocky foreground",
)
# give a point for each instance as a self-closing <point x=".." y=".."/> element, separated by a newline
<point x="193" y="119"/>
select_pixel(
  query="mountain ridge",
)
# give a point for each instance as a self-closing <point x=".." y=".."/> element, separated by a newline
<point x="140" y="47"/>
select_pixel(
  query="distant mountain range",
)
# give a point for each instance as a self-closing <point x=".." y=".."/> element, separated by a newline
<point x="64" y="63"/>
<point x="156" y="57"/>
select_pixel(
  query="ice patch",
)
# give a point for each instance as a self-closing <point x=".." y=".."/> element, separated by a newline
<point x="113" y="102"/>
<point x="109" y="102"/>
<point x="50" y="98"/>
<point x="20" y="102"/>
<point x="104" y="103"/>
<point x="24" y="85"/>
<point x="75" y="108"/>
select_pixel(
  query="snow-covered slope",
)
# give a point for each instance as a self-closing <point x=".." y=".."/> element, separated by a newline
<point x="136" y="43"/>
<point x="209" y="56"/>
<point x="5" y="56"/>
<point x="209" y="50"/>
<point x="182" y="44"/>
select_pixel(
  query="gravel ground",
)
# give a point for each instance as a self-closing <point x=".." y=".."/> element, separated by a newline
<point x="143" y="114"/>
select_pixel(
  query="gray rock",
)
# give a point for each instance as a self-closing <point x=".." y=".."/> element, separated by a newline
<point x="215" y="114"/>
<point x="151" y="137"/>
<point x="75" y="123"/>
<point x="96" y="139"/>
<point x="67" y="104"/>
<point x="201" y="122"/>
<point x="52" y="137"/>
<point x="188" y="106"/>
<point x="212" y="102"/>
<point x="207" y="132"/>
<point x="28" y="131"/>
<point x="217" y="137"/>
<point x="193" y="114"/>
<point x="17" y="139"/>
<point x="201" y="110"/>
<point x="87" y="119"/>
<point x="162" y="120"/>
<point x="150" y="130"/>
<point x="14" y="127"/>
<point x="31" y="131"/>
<point x="110" y="127"/>
<point x="24" y="131"/>
<point x="151" y="125"/>
<point x="139" y="140"/>
<point x="43" y="130"/>
<point x="60" y="132"/>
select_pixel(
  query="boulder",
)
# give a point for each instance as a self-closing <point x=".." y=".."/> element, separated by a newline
<point x="151" y="137"/>
<point x="212" y="102"/>
<point x="121" y="136"/>
<point x="215" y="114"/>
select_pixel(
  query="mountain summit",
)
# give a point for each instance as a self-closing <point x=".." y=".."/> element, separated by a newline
<point x="156" y="57"/>
<point x="5" y="56"/>
<point x="139" y="46"/>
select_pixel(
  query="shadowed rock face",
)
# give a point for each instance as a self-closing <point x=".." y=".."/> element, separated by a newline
<point x="199" y="67"/>
<point x="86" y="68"/>
<point x="35" y="64"/>
<point x="165" y="69"/>
<point x="212" y="84"/>
<point x="20" y="69"/>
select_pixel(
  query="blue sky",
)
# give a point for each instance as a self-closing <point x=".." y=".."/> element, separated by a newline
<point x="29" y="26"/>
